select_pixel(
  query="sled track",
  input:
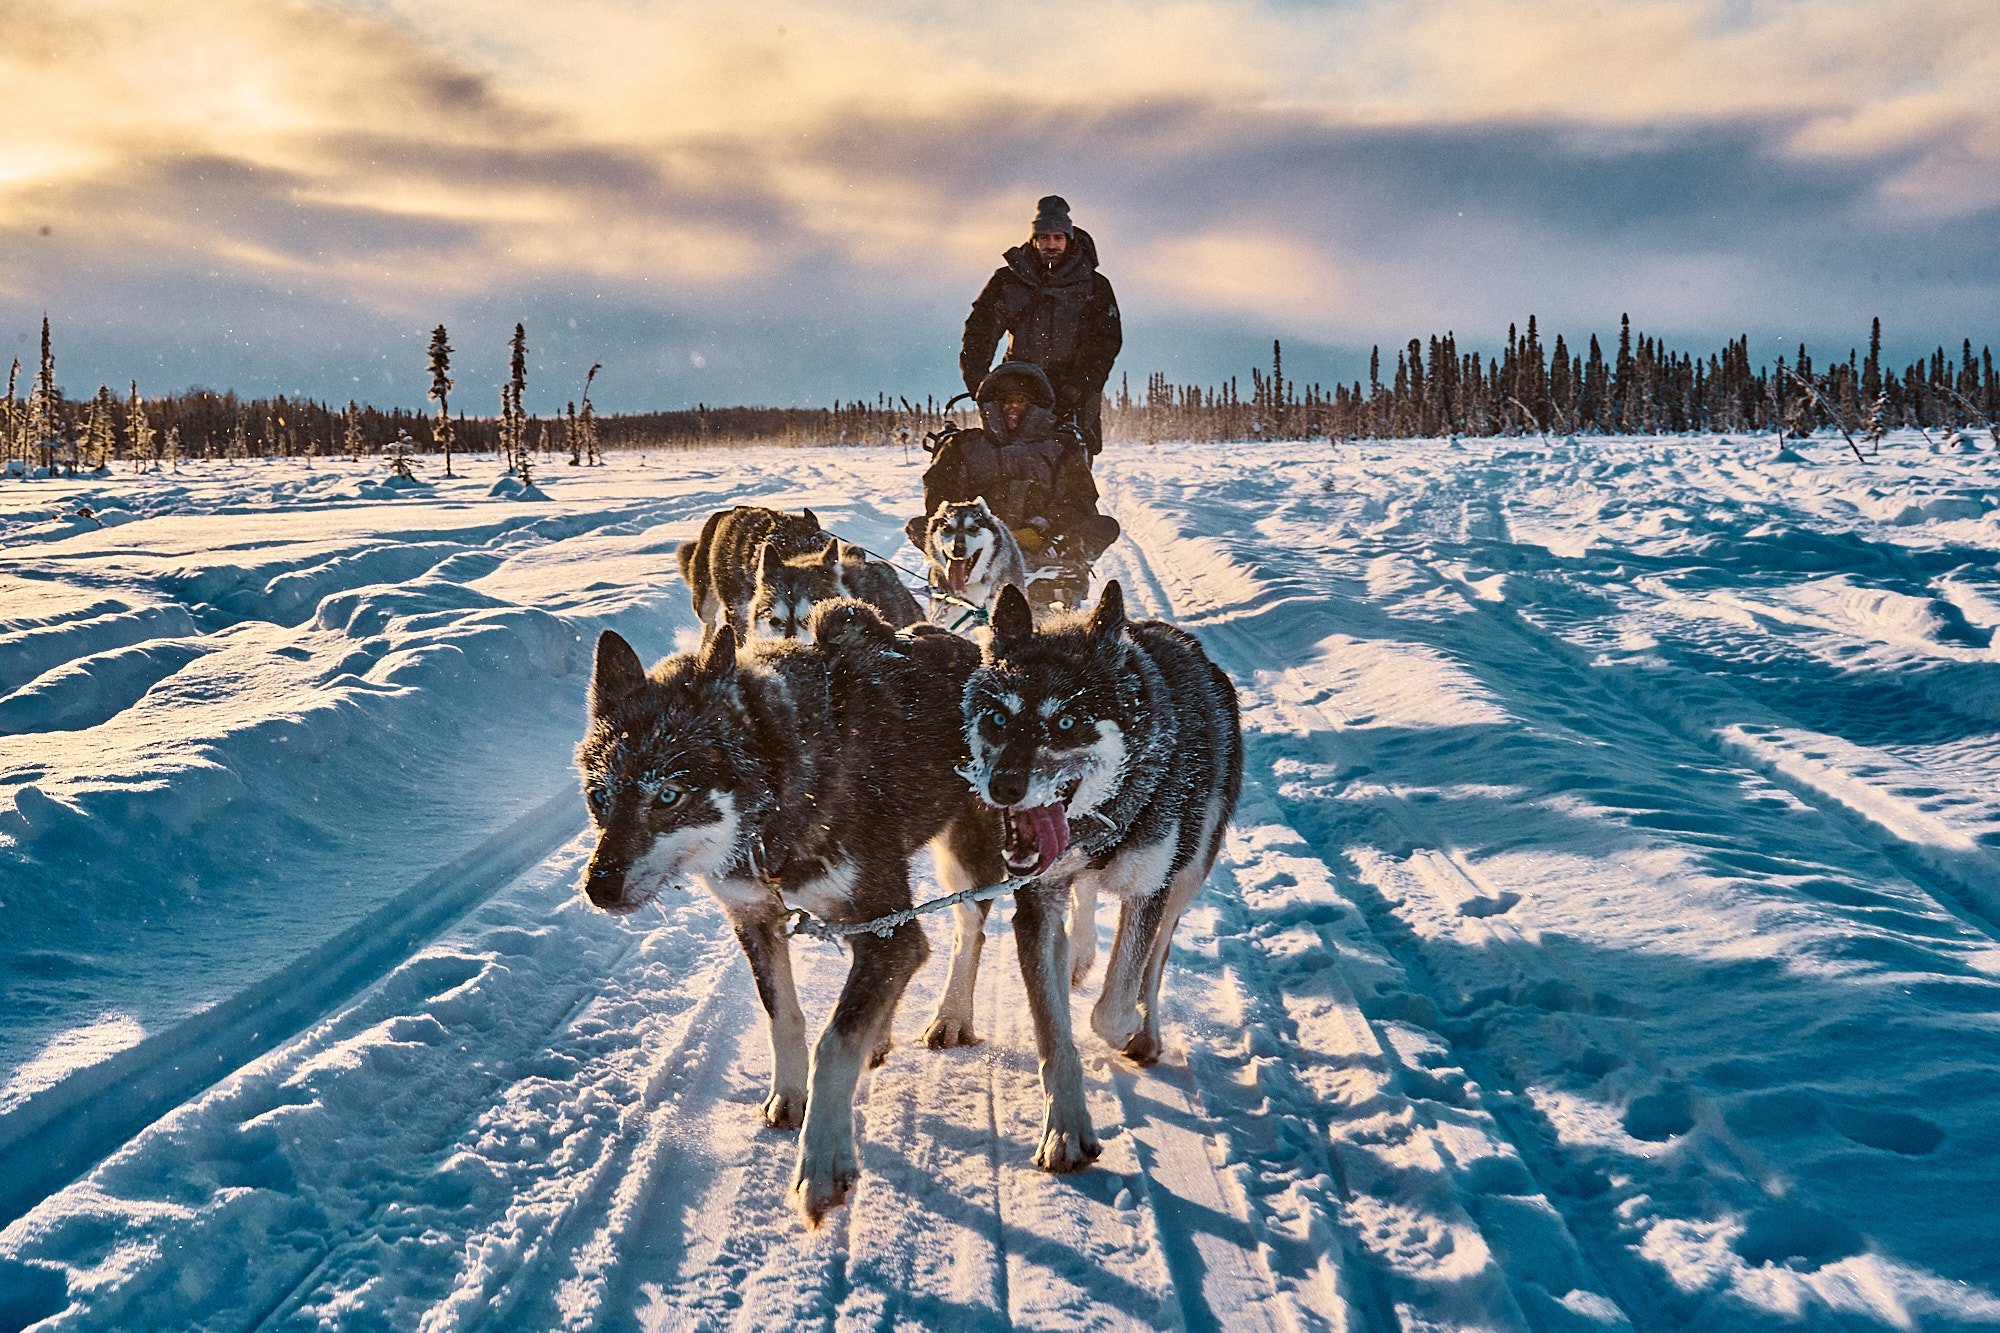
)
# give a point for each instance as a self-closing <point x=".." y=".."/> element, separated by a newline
<point x="1506" y="979"/>
<point x="52" y="1141"/>
<point x="1406" y="1092"/>
<point x="1961" y="878"/>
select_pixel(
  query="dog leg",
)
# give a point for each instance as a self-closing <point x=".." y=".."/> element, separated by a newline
<point x="1068" y="1142"/>
<point x="1082" y="928"/>
<point x="966" y="855"/>
<point x="770" y="957"/>
<point x="1144" y="1046"/>
<point x="882" y="968"/>
<point x="1116" y="1014"/>
<point x="951" y="1025"/>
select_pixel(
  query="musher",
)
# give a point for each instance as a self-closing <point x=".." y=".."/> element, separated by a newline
<point x="1057" y="311"/>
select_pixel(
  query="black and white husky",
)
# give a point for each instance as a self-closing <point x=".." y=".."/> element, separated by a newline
<point x="798" y="774"/>
<point x="971" y="555"/>
<point x="1113" y="751"/>
<point x="720" y="566"/>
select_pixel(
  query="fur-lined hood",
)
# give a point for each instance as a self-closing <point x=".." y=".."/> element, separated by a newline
<point x="1025" y="378"/>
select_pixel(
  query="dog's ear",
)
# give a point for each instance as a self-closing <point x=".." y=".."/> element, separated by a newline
<point x="617" y="673"/>
<point x="1013" y="623"/>
<point x="718" y="652"/>
<point x="1108" y="620"/>
<point x="769" y="563"/>
<point x="810" y="517"/>
<point x="829" y="558"/>
<point x="916" y="530"/>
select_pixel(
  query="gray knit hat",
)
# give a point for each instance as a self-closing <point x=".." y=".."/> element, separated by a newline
<point x="1052" y="214"/>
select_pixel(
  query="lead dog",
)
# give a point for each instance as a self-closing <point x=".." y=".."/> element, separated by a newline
<point x="795" y="774"/>
<point x="1112" y="749"/>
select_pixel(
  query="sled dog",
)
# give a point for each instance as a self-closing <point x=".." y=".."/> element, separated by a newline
<point x="720" y="566"/>
<point x="788" y="589"/>
<point x="971" y="555"/>
<point x="794" y="774"/>
<point x="1112" y="749"/>
<point x="877" y="583"/>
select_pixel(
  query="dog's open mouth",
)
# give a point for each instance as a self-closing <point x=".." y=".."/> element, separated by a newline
<point x="956" y="571"/>
<point x="1034" y="837"/>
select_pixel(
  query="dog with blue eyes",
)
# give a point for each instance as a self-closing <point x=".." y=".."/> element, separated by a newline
<point x="796" y="773"/>
<point x="1113" y="752"/>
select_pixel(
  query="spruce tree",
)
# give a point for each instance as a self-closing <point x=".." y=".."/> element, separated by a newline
<point x="45" y="405"/>
<point x="140" y="430"/>
<point x="514" y="424"/>
<point x="440" y="392"/>
<point x="586" y="420"/>
<point x="10" y="419"/>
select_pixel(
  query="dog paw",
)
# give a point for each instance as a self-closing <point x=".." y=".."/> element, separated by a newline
<point x="948" y="1030"/>
<point x="1143" y="1048"/>
<point x="818" y="1192"/>
<point x="878" y="1056"/>
<point x="1118" y="1029"/>
<point x="784" y="1110"/>
<point x="1067" y="1150"/>
<point x="1079" y="968"/>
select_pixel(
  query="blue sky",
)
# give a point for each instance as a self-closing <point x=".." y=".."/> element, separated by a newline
<point x="787" y="203"/>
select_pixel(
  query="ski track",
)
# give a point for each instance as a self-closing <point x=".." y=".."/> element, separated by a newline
<point x="1405" y="1088"/>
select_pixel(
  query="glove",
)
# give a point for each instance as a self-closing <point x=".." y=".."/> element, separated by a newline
<point x="1031" y="539"/>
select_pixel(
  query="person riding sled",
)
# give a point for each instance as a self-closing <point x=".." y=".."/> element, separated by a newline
<point x="1058" y="312"/>
<point x="1033" y="475"/>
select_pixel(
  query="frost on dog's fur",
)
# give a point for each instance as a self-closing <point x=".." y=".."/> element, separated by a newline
<point x="796" y="773"/>
<point x="1113" y="751"/>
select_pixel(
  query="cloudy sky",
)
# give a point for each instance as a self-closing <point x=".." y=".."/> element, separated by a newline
<point x="784" y="203"/>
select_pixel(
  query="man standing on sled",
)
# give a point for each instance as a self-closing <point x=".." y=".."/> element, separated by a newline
<point x="1057" y="311"/>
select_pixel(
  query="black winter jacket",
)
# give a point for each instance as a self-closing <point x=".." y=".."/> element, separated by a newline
<point x="1064" y="320"/>
<point x="1037" y="477"/>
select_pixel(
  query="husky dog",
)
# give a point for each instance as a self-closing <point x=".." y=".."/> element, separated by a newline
<point x="798" y="774"/>
<point x="1113" y="751"/>
<point x="972" y="555"/>
<point x="877" y="583"/>
<point x="789" y="589"/>
<point x="720" y="566"/>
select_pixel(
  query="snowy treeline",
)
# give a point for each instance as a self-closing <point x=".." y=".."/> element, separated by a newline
<point x="1644" y="388"/>
<point x="1433" y="388"/>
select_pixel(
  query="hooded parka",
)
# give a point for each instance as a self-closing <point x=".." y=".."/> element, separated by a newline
<point x="1063" y="319"/>
<point x="1034" y="478"/>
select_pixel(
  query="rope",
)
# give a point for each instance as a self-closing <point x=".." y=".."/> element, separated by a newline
<point x="974" y="613"/>
<point x="798" y="921"/>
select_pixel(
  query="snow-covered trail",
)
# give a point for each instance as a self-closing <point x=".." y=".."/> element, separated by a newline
<point x="1580" y="958"/>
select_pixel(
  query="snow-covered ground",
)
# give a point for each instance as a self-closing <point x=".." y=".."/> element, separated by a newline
<point x="1606" y="939"/>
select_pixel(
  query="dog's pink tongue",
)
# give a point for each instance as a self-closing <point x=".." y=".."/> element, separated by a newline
<point x="955" y="572"/>
<point x="1051" y="824"/>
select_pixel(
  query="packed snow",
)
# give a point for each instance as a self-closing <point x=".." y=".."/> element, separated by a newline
<point x="1608" y="937"/>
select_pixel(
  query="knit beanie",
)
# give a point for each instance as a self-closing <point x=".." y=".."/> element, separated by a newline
<point x="1052" y="214"/>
